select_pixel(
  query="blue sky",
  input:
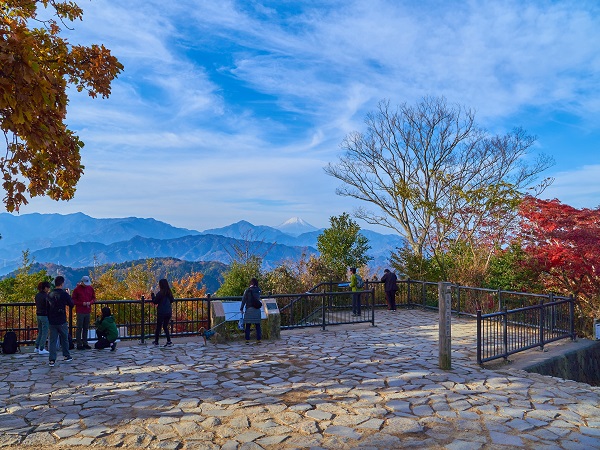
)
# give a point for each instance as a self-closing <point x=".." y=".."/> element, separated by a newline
<point x="229" y="110"/>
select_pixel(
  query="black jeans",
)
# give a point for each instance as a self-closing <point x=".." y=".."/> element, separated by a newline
<point x="162" y="321"/>
<point x="390" y="297"/>
<point x="258" y="331"/>
<point x="355" y="303"/>
<point x="102" y="341"/>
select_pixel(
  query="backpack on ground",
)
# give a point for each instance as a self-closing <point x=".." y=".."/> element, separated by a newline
<point x="359" y="282"/>
<point x="10" y="345"/>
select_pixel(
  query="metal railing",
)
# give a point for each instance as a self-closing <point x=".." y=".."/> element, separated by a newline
<point x="507" y="322"/>
<point x="319" y="309"/>
<point x="504" y="333"/>
<point x="136" y="319"/>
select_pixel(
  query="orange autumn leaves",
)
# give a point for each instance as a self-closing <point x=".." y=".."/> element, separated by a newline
<point x="42" y="154"/>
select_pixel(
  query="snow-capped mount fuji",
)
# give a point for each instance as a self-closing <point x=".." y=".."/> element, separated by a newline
<point x="296" y="226"/>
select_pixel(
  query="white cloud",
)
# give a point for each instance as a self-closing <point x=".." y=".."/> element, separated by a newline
<point x="218" y="93"/>
<point x="579" y="188"/>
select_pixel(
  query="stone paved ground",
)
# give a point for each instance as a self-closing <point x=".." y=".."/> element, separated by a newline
<point x="351" y="387"/>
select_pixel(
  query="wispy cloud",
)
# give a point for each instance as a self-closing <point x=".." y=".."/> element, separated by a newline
<point x="228" y="104"/>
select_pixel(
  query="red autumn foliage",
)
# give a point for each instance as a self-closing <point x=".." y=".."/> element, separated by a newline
<point x="563" y="244"/>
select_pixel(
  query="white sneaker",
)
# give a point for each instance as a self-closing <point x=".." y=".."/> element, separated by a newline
<point x="37" y="350"/>
<point x="43" y="352"/>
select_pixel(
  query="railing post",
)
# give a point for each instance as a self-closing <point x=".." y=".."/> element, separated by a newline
<point x="373" y="307"/>
<point x="408" y="301"/>
<point x="500" y="306"/>
<point x="552" y="322"/>
<point x="542" y="321"/>
<point x="323" y="311"/>
<point x="210" y="324"/>
<point x="70" y="324"/>
<point x="479" y="337"/>
<point x="572" y="317"/>
<point x="143" y="319"/>
<point x="505" y="332"/>
<point x="423" y="294"/>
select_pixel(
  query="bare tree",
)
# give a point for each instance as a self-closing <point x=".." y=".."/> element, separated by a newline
<point x="434" y="175"/>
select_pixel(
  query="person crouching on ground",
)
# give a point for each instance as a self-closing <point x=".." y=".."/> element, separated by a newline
<point x="251" y="300"/>
<point x="106" y="330"/>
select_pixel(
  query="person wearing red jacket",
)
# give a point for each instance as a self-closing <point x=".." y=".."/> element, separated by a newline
<point x="84" y="297"/>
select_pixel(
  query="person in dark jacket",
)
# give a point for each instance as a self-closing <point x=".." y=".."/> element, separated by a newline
<point x="251" y="301"/>
<point x="58" y="302"/>
<point x="84" y="297"/>
<point x="355" y="295"/>
<point x="163" y="301"/>
<point x="390" y="285"/>
<point x="41" y="311"/>
<point x="107" y="331"/>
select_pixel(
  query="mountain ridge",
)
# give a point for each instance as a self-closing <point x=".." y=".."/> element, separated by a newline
<point x="80" y="240"/>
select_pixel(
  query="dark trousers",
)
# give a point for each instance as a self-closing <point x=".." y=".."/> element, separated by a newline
<point x="83" y="325"/>
<point x="162" y="321"/>
<point x="355" y="303"/>
<point x="258" y="331"/>
<point x="59" y="333"/>
<point x="390" y="297"/>
<point x="102" y="341"/>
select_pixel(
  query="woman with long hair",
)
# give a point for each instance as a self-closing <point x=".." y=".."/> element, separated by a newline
<point x="251" y="301"/>
<point x="163" y="300"/>
<point x="41" y="311"/>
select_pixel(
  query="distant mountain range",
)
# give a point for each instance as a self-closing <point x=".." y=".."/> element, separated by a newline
<point x="77" y="241"/>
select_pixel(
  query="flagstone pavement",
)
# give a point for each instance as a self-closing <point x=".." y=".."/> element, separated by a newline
<point x="348" y="387"/>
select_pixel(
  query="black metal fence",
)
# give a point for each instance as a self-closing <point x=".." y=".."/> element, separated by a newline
<point x="466" y="300"/>
<point x="504" y="333"/>
<point x="320" y="309"/>
<point x="507" y="322"/>
<point x="136" y="319"/>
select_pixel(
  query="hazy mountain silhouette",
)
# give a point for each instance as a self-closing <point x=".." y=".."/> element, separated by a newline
<point x="208" y="247"/>
<point x="76" y="240"/>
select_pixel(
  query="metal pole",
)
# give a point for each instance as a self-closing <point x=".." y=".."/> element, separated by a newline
<point x="572" y="317"/>
<point x="479" y="341"/>
<point x="542" y="321"/>
<point x="323" y="312"/>
<point x="143" y="320"/>
<point x="373" y="306"/>
<point x="445" y="341"/>
<point x="210" y="324"/>
<point x="505" y="332"/>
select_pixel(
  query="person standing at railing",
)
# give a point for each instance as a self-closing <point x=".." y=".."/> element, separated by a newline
<point x="41" y="311"/>
<point x="164" y="311"/>
<point x="355" y="286"/>
<point x="390" y="286"/>
<point x="251" y="301"/>
<point x="58" y="301"/>
<point x="84" y="297"/>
